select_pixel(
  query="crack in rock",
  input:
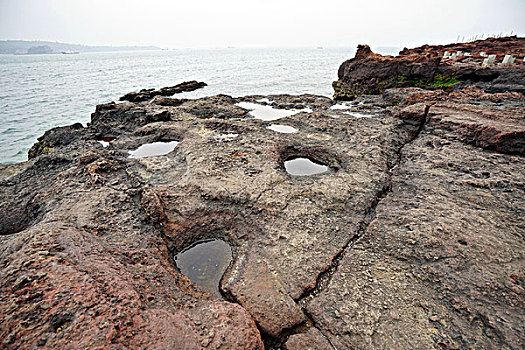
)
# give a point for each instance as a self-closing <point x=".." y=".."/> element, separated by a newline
<point x="324" y="278"/>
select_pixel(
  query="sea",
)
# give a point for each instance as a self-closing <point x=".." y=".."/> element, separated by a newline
<point x="39" y="92"/>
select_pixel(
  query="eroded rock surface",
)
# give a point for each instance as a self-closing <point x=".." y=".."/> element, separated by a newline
<point x="413" y="239"/>
<point x="110" y="225"/>
<point x="441" y="264"/>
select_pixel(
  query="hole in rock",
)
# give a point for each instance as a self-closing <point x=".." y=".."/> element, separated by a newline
<point x="284" y="129"/>
<point x="205" y="263"/>
<point x="17" y="219"/>
<point x="303" y="167"/>
<point x="269" y="113"/>
<point x="153" y="149"/>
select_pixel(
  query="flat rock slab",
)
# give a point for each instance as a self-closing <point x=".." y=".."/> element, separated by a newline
<point x="441" y="265"/>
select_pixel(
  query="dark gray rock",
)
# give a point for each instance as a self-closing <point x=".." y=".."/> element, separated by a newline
<point x="148" y="94"/>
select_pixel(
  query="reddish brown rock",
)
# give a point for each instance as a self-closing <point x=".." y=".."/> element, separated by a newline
<point x="484" y="126"/>
<point x="491" y="121"/>
<point x="68" y="287"/>
<point x="261" y="294"/>
<point x="370" y="73"/>
<point x="309" y="340"/>
<point x="511" y="45"/>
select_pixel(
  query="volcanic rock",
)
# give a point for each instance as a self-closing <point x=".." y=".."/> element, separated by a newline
<point x="312" y="339"/>
<point x="147" y="94"/>
<point x="88" y="218"/>
<point x="54" y="137"/>
<point x="414" y="239"/>
<point x="491" y="46"/>
<point x="440" y="265"/>
<point x="370" y="73"/>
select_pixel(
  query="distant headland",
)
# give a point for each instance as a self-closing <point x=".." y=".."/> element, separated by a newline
<point x="23" y="47"/>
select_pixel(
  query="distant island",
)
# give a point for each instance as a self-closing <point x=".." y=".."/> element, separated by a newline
<point x="23" y="47"/>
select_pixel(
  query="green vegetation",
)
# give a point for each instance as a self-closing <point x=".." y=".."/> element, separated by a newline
<point x="39" y="148"/>
<point x="350" y="91"/>
<point x="441" y="81"/>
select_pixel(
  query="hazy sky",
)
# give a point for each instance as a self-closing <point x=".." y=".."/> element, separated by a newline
<point x="246" y="23"/>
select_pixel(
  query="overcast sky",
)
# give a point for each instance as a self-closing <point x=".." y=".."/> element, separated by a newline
<point x="258" y="23"/>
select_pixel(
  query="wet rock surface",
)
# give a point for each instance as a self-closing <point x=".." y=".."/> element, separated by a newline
<point x="413" y="239"/>
<point x="111" y="225"/>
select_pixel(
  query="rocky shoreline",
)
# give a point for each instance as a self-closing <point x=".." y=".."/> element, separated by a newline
<point x="435" y="67"/>
<point x="413" y="238"/>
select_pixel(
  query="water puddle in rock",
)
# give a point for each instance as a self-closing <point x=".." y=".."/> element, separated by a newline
<point x="205" y="263"/>
<point x="342" y="106"/>
<point x="106" y="141"/>
<point x="265" y="100"/>
<point x="153" y="149"/>
<point x="284" y="129"/>
<point x="305" y="167"/>
<point x="268" y="113"/>
<point x="359" y="115"/>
